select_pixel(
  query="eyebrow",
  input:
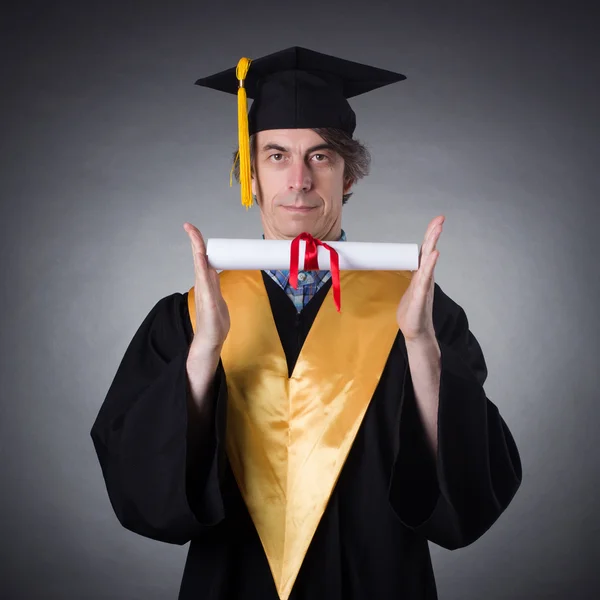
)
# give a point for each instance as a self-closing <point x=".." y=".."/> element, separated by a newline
<point x="272" y="146"/>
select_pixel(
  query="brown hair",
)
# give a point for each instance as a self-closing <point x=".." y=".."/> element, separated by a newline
<point x="357" y="158"/>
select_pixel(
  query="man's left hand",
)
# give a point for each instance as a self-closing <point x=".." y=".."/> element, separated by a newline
<point x="415" y="311"/>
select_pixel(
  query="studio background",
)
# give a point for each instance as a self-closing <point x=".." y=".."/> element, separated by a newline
<point x="107" y="147"/>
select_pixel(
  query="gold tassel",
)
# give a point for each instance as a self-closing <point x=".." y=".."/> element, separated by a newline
<point x="244" y="138"/>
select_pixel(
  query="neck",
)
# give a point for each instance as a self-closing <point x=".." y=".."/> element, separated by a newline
<point x="330" y="236"/>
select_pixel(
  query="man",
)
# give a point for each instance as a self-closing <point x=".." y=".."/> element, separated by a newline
<point x="305" y="453"/>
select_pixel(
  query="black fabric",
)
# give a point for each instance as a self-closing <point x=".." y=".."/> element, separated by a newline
<point x="293" y="326"/>
<point x="391" y="497"/>
<point x="300" y="88"/>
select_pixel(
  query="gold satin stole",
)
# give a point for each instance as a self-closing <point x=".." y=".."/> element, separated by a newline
<point x="287" y="438"/>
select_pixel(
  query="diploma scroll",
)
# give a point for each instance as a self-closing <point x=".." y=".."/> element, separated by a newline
<point x="242" y="254"/>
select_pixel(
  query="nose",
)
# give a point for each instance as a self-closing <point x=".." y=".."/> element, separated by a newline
<point x="300" y="177"/>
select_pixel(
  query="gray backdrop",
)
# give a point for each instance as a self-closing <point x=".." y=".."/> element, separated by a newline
<point x="108" y="147"/>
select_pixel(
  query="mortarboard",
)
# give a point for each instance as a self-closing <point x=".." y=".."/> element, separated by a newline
<point x="295" y="88"/>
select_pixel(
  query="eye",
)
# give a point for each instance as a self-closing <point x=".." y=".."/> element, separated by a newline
<point x="323" y="157"/>
<point x="277" y="154"/>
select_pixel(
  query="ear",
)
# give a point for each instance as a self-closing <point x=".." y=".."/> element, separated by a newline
<point x="255" y="187"/>
<point x="348" y="184"/>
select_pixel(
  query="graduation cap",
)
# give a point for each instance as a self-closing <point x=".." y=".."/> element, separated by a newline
<point x="295" y="88"/>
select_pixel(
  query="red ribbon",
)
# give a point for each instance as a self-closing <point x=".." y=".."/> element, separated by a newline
<point x="311" y="262"/>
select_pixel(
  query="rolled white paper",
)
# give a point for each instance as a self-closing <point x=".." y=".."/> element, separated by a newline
<point x="257" y="254"/>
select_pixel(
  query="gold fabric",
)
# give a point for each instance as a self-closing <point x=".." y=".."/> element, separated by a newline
<point x="288" y="437"/>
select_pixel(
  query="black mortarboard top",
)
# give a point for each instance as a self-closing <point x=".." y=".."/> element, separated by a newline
<point x="294" y="88"/>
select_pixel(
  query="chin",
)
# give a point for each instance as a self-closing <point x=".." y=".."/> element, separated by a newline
<point x="299" y="223"/>
<point x="297" y="228"/>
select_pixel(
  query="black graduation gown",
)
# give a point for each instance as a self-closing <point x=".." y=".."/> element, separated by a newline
<point x="168" y="483"/>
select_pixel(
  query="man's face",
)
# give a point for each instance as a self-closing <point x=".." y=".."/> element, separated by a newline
<point x="299" y="184"/>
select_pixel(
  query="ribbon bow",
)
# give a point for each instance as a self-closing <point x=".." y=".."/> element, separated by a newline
<point x="311" y="262"/>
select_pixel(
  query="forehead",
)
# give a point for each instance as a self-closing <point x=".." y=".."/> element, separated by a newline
<point x="289" y="138"/>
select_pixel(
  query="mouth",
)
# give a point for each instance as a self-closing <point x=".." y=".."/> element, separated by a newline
<point x="299" y="209"/>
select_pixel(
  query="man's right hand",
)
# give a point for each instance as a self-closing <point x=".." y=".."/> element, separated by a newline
<point x="212" y="314"/>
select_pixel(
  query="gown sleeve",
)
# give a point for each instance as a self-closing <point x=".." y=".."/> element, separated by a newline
<point x="161" y="463"/>
<point x="455" y="498"/>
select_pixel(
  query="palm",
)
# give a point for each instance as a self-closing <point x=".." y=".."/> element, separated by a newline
<point x="212" y="315"/>
<point x="415" y="310"/>
<point x="214" y="320"/>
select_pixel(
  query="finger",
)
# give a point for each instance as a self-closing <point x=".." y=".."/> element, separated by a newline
<point x="428" y="231"/>
<point x="216" y="280"/>
<point x="432" y="225"/>
<point x="424" y="282"/>
<point x="433" y="239"/>
<point x="437" y="225"/>
<point x="426" y="248"/>
<point x="205" y="283"/>
<point x="430" y="245"/>
<point x="189" y="229"/>
<point x="207" y="287"/>
<point x="198" y="247"/>
<point x="195" y="237"/>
